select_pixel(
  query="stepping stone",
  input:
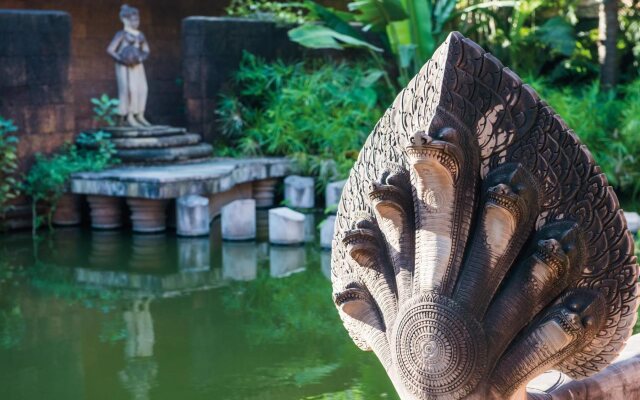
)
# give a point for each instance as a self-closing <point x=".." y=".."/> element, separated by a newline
<point x="239" y="220"/>
<point x="332" y="193"/>
<point x="192" y="215"/>
<point x="326" y="232"/>
<point x="185" y="139"/>
<point x="633" y="221"/>
<point x="286" y="226"/>
<point x="126" y="131"/>
<point x="299" y="191"/>
<point x="150" y="156"/>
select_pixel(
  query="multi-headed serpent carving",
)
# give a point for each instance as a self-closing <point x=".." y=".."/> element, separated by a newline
<point x="477" y="243"/>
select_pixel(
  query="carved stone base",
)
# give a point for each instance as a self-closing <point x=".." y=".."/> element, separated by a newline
<point x="106" y="212"/>
<point x="68" y="210"/>
<point x="148" y="215"/>
<point x="264" y="192"/>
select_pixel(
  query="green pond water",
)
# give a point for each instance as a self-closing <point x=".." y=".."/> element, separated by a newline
<point x="113" y="315"/>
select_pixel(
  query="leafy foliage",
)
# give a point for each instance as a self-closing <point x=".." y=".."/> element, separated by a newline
<point x="8" y="164"/>
<point x="607" y="123"/>
<point x="263" y="10"/>
<point x="105" y="109"/>
<point x="318" y="113"/>
<point x="47" y="179"/>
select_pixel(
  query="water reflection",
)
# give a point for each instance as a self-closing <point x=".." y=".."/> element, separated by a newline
<point x="286" y="260"/>
<point x="239" y="261"/>
<point x="111" y="315"/>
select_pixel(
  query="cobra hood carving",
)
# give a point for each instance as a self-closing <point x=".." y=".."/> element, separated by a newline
<point x="477" y="242"/>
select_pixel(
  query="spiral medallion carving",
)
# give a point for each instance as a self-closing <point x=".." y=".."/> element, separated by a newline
<point x="438" y="351"/>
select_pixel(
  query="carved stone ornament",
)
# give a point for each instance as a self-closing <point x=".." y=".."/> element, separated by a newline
<point x="477" y="242"/>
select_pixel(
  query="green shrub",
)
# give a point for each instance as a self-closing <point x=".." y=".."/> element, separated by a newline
<point x="608" y="123"/>
<point x="319" y="113"/>
<point x="8" y="164"/>
<point x="48" y="178"/>
<point x="105" y="109"/>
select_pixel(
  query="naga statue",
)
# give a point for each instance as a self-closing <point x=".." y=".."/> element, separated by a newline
<point x="477" y="242"/>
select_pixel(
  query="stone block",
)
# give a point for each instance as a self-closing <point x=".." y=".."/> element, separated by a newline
<point x="148" y="215"/>
<point x="326" y="232"/>
<point x="239" y="261"/>
<point x="192" y="215"/>
<point x="286" y="226"/>
<point x="299" y="191"/>
<point x="194" y="254"/>
<point x="332" y="194"/>
<point x="633" y="221"/>
<point x="285" y="261"/>
<point x="309" y="228"/>
<point x="239" y="220"/>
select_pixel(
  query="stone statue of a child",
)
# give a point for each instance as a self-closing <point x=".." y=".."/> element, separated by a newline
<point x="129" y="48"/>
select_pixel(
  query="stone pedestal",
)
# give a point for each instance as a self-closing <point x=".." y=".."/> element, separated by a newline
<point x="68" y="210"/>
<point x="309" y="228"/>
<point x="285" y="261"/>
<point x="106" y="212"/>
<point x="239" y="220"/>
<point x="147" y="215"/>
<point x="299" y="191"/>
<point x="239" y="261"/>
<point x="326" y="232"/>
<point x="286" y="226"/>
<point x="264" y="192"/>
<point x="332" y="194"/>
<point x="192" y="216"/>
<point x="194" y="254"/>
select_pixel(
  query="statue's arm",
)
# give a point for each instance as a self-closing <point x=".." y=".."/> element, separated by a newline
<point x="112" y="49"/>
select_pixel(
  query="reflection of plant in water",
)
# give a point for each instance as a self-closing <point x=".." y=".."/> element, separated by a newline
<point x="113" y="329"/>
<point x="273" y="308"/>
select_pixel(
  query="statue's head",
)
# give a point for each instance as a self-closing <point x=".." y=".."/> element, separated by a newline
<point x="130" y="16"/>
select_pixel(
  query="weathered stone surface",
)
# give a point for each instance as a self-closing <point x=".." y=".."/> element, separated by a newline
<point x="68" y="210"/>
<point x="326" y="232"/>
<point x="192" y="215"/>
<point x="239" y="220"/>
<point x="185" y="139"/>
<point x="106" y="212"/>
<point x="286" y="226"/>
<point x="148" y="215"/>
<point x="158" y="155"/>
<point x="332" y="193"/>
<point x="264" y="192"/>
<point x="299" y="191"/>
<point x="477" y="244"/>
<point x="172" y="181"/>
<point x="309" y="227"/>
<point x="285" y="261"/>
<point x="239" y="261"/>
<point x="121" y="132"/>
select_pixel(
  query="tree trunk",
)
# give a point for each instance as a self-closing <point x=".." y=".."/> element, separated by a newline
<point x="608" y="36"/>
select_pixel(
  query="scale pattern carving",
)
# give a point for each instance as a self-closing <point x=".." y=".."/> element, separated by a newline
<point x="477" y="242"/>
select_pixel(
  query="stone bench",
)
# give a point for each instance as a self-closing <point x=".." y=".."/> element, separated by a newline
<point x="149" y="189"/>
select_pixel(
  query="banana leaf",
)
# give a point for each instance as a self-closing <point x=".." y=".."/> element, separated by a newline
<point x="321" y="37"/>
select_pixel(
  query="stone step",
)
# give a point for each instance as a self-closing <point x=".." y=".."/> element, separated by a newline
<point x="152" y="131"/>
<point x="163" y="155"/>
<point x="185" y="139"/>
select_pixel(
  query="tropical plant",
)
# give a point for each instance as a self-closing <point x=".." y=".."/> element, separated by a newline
<point x="263" y="10"/>
<point x="8" y="164"/>
<point x="48" y="177"/>
<point x="105" y="109"/>
<point x="409" y="29"/>
<point x="319" y="113"/>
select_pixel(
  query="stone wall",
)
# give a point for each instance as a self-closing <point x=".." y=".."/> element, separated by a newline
<point x="213" y="48"/>
<point x="34" y="79"/>
<point x="92" y="71"/>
